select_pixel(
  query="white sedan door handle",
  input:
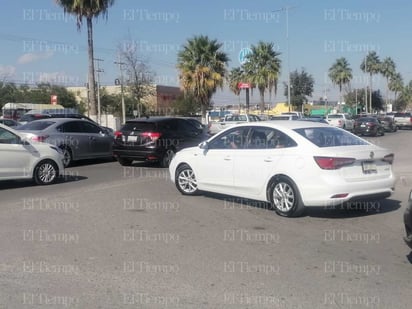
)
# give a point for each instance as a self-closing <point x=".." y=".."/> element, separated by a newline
<point x="268" y="159"/>
<point x="227" y="158"/>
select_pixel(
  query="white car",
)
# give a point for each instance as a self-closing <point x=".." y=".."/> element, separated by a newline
<point x="290" y="164"/>
<point x="21" y="159"/>
<point x="343" y="121"/>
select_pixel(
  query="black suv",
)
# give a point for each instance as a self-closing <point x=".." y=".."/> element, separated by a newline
<point x="155" y="139"/>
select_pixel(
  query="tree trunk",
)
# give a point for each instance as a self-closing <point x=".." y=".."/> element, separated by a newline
<point x="91" y="79"/>
<point x="370" y="94"/>
<point x="262" y="100"/>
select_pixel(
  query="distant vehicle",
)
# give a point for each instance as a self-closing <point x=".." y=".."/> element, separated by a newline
<point x="289" y="164"/>
<point x="78" y="138"/>
<point x="297" y="114"/>
<point x="231" y="120"/>
<point x="403" y="120"/>
<point x="155" y="139"/>
<point x="388" y="123"/>
<point x="9" y="122"/>
<point x="16" y="110"/>
<point x="283" y="117"/>
<point x="22" y="159"/>
<point x="315" y="119"/>
<point x="340" y="120"/>
<point x="368" y="126"/>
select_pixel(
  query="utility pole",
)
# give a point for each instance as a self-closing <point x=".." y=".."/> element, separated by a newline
<point x="121" y="88"/>
<point x="287" y="8"/>
<point x="99" y="114"/>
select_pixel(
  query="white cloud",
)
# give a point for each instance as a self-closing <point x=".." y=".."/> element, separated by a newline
<point x="7" y="71"/>
<point x="32" y="57"/>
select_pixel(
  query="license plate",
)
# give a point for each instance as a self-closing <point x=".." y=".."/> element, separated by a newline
<point x="363" y="125"/>
<point x="132" y="138"/>
<point x="369" y="167"/>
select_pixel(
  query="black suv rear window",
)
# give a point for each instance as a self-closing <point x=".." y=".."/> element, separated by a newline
<point x="139" y="126"/>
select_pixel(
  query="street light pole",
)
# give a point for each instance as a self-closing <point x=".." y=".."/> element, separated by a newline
<point x="121" y="89"/>
<point x="286" y="8"/>
<point x="99" y="113"/>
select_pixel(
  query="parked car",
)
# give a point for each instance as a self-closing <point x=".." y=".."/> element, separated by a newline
<point x="277" y="162"/>
<point x="403" y="120"/>
<point x="297" y="114"/>
<point x="314" y="119"/>
<point x="155" y="139"/>
<point x="22" y="159"/>
<point x="368" y="126"/>
<point x="79" y="139"/>
<point x="9" y="122"/>
<point x="340" y="120"/>
<point x="407" y="219"/>
<point x="388" y="123"/>
<point x="283" y="117"/>
<point x="59" y="113"/>
<point x="230" y="120"/>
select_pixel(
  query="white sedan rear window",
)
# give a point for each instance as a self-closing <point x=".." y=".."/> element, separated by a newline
<point x="330" y="137"/>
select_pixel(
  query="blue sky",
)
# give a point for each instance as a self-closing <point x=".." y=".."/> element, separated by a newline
<point x="39" y="43"/>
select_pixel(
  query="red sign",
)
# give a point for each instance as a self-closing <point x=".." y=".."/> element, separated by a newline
<point x="53" y="99"/>
<point x="244" y="85"/>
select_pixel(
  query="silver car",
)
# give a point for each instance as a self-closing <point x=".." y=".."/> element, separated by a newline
<point x="21" y="159"/>
<point x="78" y="138"/>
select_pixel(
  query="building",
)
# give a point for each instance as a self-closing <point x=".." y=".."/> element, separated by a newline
<point x="159" y="102"/>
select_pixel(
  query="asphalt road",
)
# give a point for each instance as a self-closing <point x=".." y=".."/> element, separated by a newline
<point x="114" y="237"/>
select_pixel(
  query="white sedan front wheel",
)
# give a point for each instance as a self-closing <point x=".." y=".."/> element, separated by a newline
<point x="185" y="180"/>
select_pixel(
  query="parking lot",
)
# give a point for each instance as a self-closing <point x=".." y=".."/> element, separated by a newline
<point x="108" y="236"/>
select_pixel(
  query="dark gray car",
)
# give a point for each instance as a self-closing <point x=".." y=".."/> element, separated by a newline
<point x="79" y="139"/>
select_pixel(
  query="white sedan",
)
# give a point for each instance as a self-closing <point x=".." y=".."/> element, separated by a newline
<point x="290" y="164"/>
<point x="21" y="159"/>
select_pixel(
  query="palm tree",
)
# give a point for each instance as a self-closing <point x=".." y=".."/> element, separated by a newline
<point x="372" y="65"/>
<point x="202" y="65"/>
<point x="236" y="76"/>
<point x="388" y="69"/>
<point x="88" y="9"/>
<point x="340" y="74"/>
<point x="395" y="84"/>
<point x="262" y="69"/>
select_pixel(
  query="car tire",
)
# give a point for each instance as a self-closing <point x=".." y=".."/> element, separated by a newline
<point x="67" y="156"/>
<point x="167" y="157"/>
<point x="285" y="198"/>
<point x="185" y="180"/>
<point x="124" y="162"/>
<point x="45" y="172"/>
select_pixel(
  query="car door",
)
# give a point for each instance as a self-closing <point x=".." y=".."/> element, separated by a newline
<point x="263" y="157"/>
<point x="214" y="165"/>
<point x="188" y="134"/>
<point x="100" y="144"/>
<point x="15" y="158"/>
<point x="74" y="137"/>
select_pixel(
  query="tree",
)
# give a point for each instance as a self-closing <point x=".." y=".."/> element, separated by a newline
<point x="395" y="84"/>
<point x="235" y="77"/>
<point x="262" y="69"/>
<point x="301" y="86"/>
<point x="372" y="65"/>
<point x="405" y="98"/>
<point x="356" y="98"/>
<point x="387" y="69"/>
<point x="139" y="79"/>
<point x="202" y="68"/>
<point x="185" y="105"/>
<point x="340" y="74"/>
<point x="88" y="9"/>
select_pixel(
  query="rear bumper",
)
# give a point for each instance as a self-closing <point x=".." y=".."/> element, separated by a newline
<point x="138" y="154"/>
